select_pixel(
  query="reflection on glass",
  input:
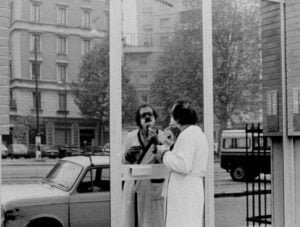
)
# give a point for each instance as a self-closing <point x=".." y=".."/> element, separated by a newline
<point x="63" y="175"/>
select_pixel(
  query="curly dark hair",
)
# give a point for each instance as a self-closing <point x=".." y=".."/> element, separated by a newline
<point x="137" y="113"/>
<point x="184" y="113"/>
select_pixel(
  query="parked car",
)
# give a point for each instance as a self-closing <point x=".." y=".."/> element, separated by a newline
<point x="68" y="150"/>
<point x="4" y="152"/>
<point x="51" y="151"/>
<point x="17" y="150"/>
<point x="106" y="148"/>
<point x="76" y="192"/>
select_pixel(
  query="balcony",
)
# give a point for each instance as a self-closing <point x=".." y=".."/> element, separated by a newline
<point x="138" y="39"/>
<point x="146" y="42"/>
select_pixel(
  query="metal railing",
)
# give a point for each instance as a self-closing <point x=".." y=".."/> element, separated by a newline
<point x="257" y="188"/>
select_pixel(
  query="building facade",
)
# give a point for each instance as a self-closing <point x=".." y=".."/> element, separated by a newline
<point x="156" y="22"/>
<point x="4" y="68"/>
<point x="281" y="86"/>
<point x="48" y="40"/>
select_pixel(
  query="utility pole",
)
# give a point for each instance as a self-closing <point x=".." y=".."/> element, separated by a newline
<point x="36" y="86"/>
<point x="36" y="75"/>
<point x="65" y="83"/>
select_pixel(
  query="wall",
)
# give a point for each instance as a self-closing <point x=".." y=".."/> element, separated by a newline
<point x="271" y="69"/>
<point x="4" y="67"/>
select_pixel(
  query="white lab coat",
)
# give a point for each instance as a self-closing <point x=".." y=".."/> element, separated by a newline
<point x="184" y="192"/>
<point x="150" y="200"/>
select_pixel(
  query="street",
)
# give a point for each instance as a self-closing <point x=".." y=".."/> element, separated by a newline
<point x="230" y="204"/>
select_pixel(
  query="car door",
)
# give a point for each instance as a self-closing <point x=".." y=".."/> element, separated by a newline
<point x="90" y="202"/>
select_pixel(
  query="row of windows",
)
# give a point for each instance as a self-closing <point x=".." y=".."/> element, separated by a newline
<point x="242" y="143"/>
<point x="62" y="47"/>
<point x="62" y="101"/>
<point x="61" y="71"/>
<point x="61" y="15"/>
<point x="272" y="102"/>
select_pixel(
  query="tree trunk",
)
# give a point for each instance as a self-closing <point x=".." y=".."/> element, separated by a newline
<point x="101" y="133"/>
<point x="223" y="124"/>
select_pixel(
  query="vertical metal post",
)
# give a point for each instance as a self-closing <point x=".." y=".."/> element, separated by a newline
<point x="36" y="87"/>
<point x="208" y="109"/>
<point x="265" y="179"/>
<point x="287" y="143"/>
<point x="65" y="79"/>
<point x="115" y="109"/>
<point x="253" y="183"/>
<point x="247" y="181"/>
<point x="260" y="166"/>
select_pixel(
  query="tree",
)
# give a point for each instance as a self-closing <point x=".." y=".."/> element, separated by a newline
<point x="237" y="67"/>
<point x="91" y="91"/>
<point x="236" y="43"/>
<point x="180" y="67"/>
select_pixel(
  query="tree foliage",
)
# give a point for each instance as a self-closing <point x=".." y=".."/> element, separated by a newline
<point x="180" y="68"/>
<point x="91" y="91"/>
<point x="236" y="43"/>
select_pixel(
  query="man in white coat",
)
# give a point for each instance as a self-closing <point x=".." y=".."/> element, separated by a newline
<point x="142" y="201"/>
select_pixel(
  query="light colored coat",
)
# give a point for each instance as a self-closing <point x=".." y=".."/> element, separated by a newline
<point x="149" y="194"/>
<point x="184" y="189"/>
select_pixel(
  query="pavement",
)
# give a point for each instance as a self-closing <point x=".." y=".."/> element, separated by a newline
<point x="29" y="161"/>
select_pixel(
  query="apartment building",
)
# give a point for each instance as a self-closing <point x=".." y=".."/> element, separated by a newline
<point x="156" y="21"/>
<point x="48" y="40"/>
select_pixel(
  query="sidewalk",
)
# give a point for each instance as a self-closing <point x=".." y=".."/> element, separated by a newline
<point x="29" y="161"/>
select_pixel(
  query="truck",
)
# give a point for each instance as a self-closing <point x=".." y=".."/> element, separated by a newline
<point x="244" y="156"/>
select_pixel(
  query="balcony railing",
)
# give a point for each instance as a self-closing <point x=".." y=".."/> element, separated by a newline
<point x="159" y="40"/>
<point x="138" y="39"/>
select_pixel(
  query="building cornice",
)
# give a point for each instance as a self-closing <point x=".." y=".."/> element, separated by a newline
<point x="29" y="84"/>
<point x="65" y="30"/>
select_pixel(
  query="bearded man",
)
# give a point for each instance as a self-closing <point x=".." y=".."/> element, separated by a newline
<point x="142" y="201"/>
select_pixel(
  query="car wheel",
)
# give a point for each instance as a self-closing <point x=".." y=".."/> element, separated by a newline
<point x="44" y="222"/>
<point x="238" y="173"/>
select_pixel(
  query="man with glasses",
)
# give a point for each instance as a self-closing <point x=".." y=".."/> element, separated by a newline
<point x="142" y="201"/>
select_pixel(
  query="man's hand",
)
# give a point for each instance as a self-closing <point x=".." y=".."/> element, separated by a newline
<point x="153" y="135"/>
<point x="133" y="153"/>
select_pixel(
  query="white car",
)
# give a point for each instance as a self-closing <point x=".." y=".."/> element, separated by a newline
<point x="4" y="152"/>
<point x="76" y="193"/>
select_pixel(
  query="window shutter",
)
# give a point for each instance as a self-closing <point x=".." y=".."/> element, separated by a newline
<point x="269" y="103"/>
<point x="296" y="100"/>
<point x="274" y="103"/>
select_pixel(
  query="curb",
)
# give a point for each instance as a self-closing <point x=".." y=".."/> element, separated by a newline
<point x="240" y="194"/>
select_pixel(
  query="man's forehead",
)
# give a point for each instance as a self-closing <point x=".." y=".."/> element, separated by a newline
<point x="146" y="110"/>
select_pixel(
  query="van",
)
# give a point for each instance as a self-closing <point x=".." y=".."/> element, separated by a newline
<point x="17" y="150"/>
<point x="244" y="164"/>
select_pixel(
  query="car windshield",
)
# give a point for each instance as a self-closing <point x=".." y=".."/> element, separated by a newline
<point x="63" y="175"/>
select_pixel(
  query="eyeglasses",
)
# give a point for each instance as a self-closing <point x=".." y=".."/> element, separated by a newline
<point x="148" y="114"/>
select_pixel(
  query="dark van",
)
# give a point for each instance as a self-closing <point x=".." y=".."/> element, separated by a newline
<point x="240" y="164"/>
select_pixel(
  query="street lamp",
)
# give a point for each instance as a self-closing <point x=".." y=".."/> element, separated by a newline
<point x="64" y="83"/>
<point x="36" y="75"/>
